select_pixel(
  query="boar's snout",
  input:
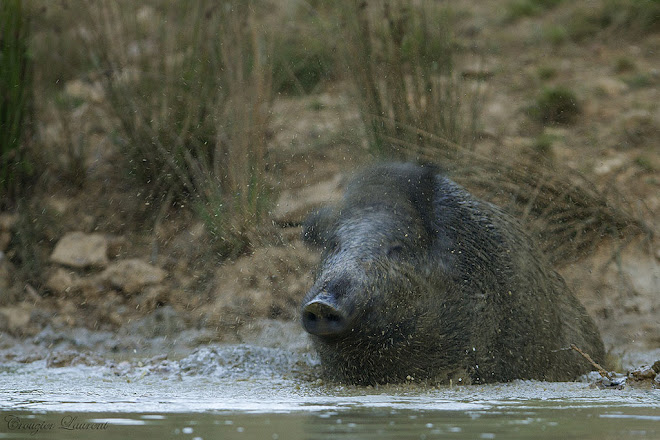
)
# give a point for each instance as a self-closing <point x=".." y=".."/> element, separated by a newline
<point x="322" y="316"/>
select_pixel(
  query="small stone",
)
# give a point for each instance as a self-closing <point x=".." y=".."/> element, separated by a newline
<point x="7" y="221"/>
<point x="611" y="86"/>
<point x="80" y="89"/>
<point x="132" y="275"/>
<point x="61" y="281"/>
<point x="80" y="250"/>
<point x="643" y="373"/>
<point x="608" y="165"/>
<point x="14" y="319"/>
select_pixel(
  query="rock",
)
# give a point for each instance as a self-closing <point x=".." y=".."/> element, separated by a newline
<point x="643" y="373"/>
<point x="83" y="90"/>
<point x="70" y="358"/>
<point x="61" y="281"/>
<point x="611" y="86"/>
<point x="294" y="205"/>
<point x="132" y="275"/>
<point x="7" y="221"/>
<point x="606" y="166"/>
<point x="59" y="204"/>
<point x="80" y="250"/>
<point x="14" y="319"/>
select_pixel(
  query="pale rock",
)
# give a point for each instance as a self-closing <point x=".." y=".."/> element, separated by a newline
<point x="14" y="319"/>
<point x="80" y="250"/>
<point x="62" y="281"/>
<point x="7" y="221"/>
<point x="608" y="165"/>
<point x="132" y="275"/>
<point x="82" y="90"/>
<point x="611" y="86"/>
<point x="58" y="204"/>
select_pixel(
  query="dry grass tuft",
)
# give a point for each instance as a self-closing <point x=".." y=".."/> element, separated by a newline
<point x="190" y="84"/>
<point x="561" y="208"/>
<point x="401" y="58"/>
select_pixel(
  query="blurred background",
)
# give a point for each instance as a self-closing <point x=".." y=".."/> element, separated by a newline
<point x="157" y="158"/>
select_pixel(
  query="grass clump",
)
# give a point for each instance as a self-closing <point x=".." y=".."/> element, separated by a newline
<point x="628" y="18"/>
<point x="543" y="144"/>
<point x="556" y="105"/>
<point x="304" y="52"/>
<point x="624" y="64"/>
<point x="301" y="63"/>
<point x="556" y="34"/>
<point x="518" y="9"/>
<point x="546" y="73"/>
<point x="401" y="59"/>
<point x="639" y="81"/>
<point x="586" y="23"/>
<point x="193" y="98"/>
<point x="15" y="98"/>
<point x="636" y="16"/>
<point x="645" y="163"/>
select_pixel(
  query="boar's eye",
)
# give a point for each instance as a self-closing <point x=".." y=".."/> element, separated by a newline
<point x="395" y="250"/>
<point x="331" y="245"/>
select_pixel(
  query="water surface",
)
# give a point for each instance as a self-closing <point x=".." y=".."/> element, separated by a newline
<point x="257" y="393"/>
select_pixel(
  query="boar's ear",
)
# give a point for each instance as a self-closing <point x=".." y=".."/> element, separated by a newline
<point x="317" y="226"/>
<point x="423" y="195"/>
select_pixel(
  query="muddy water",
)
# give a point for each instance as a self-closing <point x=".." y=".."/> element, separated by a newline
<point x="271" y="391"/>
<point x="102" y="402"/>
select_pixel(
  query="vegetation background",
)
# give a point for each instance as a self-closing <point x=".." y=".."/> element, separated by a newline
<point x="157" y="158"/>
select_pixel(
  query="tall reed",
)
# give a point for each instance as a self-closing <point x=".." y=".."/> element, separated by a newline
<point x="190" y="83"/>
<point x="15" y="97"/>
<point x="401" y="58"/>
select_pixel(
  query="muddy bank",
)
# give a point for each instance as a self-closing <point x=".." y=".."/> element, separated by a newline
<point x="266" y="349"/>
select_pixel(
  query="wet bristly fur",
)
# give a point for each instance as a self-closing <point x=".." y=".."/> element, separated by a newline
<point x="437" y="283"/>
